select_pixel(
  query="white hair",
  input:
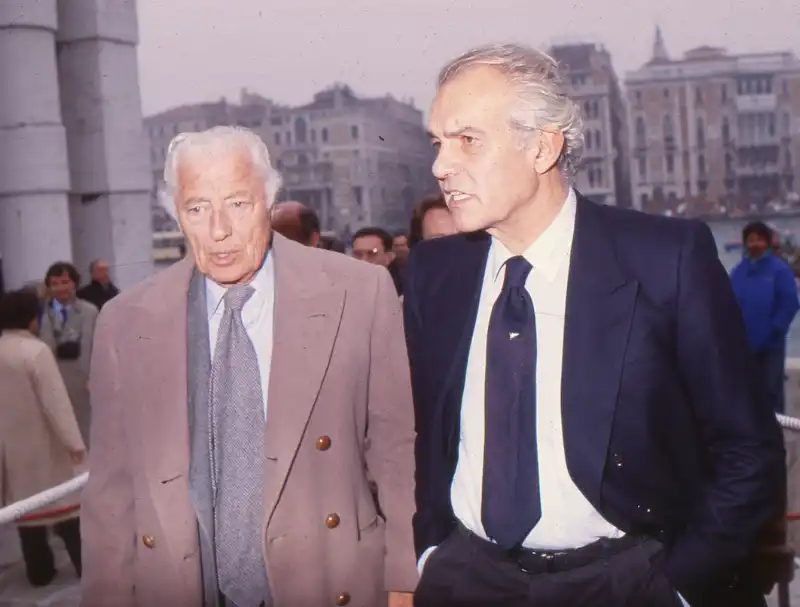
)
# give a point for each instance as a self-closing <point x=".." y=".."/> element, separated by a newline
<point x="544" y="102"/>
<point x="230" y="137"/>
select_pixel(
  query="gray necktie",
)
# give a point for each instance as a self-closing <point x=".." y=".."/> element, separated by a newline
<point x="237" y="452"/>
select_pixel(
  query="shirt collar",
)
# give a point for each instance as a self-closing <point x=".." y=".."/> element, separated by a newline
<point x="549" y="251"/>
<point x="261" y="282"/>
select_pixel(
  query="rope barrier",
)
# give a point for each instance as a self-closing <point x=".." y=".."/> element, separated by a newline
<point x="19" y="509"/>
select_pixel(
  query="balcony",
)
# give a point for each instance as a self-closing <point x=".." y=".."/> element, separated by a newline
<point x="756" y="104"/>
<point x="310" y="175"/>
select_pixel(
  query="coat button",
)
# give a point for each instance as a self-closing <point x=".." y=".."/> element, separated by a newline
<point x="331" y="522"/>
<point x="149" y="541"/>
<point x="617" y="459"/>
<point x="343" y="599"/>
<point x="324" y="443"/>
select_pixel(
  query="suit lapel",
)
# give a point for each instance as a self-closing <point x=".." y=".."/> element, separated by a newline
<point x="308" y="311"/>
<point x="458" y="325"/>
<point x="599" y="312"/>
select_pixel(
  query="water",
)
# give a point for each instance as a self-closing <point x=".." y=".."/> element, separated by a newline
<point x="730" y="230"/>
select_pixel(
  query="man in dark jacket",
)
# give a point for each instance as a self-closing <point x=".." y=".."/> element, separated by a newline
<point x="767" y="293"/>
<point x="100" y="290"/>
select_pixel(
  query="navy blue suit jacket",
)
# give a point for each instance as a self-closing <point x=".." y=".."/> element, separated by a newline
<point x="662" y="430"/>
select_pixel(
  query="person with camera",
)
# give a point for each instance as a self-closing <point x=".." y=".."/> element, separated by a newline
<point x="67" y="326"/>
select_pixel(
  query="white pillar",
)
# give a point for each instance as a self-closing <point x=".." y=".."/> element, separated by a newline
<point x="34" y="178"/>
<point x="109" y="153"/>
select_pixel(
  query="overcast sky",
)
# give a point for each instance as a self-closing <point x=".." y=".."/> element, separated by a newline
<point x="200" y="50"/>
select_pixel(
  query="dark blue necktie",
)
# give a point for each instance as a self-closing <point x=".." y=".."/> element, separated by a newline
<point x="510" y="500"/>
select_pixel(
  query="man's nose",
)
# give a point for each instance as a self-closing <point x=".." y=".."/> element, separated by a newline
<point x="220" y="225"/>
<point x="443" y="166"/>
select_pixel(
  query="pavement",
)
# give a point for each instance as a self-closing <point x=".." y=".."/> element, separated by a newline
<point x="64" y="591"/>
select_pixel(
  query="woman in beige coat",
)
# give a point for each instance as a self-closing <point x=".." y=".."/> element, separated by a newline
<point x="40" y="443"/>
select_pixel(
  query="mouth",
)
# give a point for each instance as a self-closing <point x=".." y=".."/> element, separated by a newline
<point x="223" y="258"/>
<point x="454" y="197"/>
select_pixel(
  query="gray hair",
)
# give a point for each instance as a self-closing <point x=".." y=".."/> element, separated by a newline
<point x="233" y="137"/>
<point x="544" y="101"/>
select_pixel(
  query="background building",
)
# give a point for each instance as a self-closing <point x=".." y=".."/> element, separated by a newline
<point x="74" y="178"/>
<point x="603" y="175"/>
<point x="713" y="133"/>
<point x="356" y="161"/>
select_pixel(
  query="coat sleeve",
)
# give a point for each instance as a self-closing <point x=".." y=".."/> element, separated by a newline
<point x="52" y="394"/>
<point x="107" y="509"/>
<point x="747" y="472"/>
<point x="390" y="458"/>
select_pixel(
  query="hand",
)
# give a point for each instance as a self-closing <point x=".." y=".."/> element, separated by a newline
<point x="401" y="599"/>
<point x="77" y="457"/>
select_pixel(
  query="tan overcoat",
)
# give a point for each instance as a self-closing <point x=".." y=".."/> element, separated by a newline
<point x="339" y="405"/>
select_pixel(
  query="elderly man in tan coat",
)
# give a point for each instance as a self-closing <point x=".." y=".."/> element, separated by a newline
<point x="240" y="399"/>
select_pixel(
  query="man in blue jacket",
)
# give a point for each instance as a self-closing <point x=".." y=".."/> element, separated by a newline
<point x="767" y="293"/>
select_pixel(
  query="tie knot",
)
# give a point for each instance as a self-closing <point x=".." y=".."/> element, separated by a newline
<point x="517" y="270"/>
<point x="237" y="296"/>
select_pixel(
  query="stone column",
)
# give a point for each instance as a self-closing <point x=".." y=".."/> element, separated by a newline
<point x="109" y="154"/>
<point x="34" y="176"/>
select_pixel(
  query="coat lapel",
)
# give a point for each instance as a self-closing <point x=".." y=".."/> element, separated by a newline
<point x="308" y="311"/>
<point x="160" y="348"/>
<point x="599" y="312"/>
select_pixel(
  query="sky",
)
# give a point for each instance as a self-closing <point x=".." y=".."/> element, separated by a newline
<point x="201" y="50"/>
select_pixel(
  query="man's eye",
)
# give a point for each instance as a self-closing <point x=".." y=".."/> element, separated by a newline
<point x="468" y="139"/>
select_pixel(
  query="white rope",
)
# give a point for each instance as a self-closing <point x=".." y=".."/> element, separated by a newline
<point x="789" y="423"/>
<point x="19" y="509"/>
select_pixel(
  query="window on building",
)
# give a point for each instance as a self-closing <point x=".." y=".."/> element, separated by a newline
<point x="324" y="135"/>
<point x="599" y="176"/>
<point x="642" y="168"/>
<point x="354" y="132"/>
<point x="726" y="130"/>
<point x="641" y="133"/>
<point x="277" y="138"/>
<point x="598" y="142"/>
<point x="638" y="95"/>
<point x="669" y="131"/>
<point x="701" y="165"/>
<point x="300" y="130"/>
<point x="701" y="133"/>
<point x="644" y="198"/>
<point x="591" y="177"/>
<point x="698" y="96"/>
<point x="724" y="93"/>
<point x="670" y="164"/>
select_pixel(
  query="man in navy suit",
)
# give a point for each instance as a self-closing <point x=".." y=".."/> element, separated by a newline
<point x="587" y="435"/>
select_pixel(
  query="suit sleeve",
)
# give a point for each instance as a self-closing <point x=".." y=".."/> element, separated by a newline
<point x="747" y="472"/>
<point x="390" y="458"/>
<point x="107" y="508"/>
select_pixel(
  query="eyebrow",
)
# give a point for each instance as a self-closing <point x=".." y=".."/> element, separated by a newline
<point x="237" y="194"/>
<point x="457" y="133"/>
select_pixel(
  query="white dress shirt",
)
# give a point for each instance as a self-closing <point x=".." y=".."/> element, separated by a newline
<point x="257" y="316"/>
<point x="568" y="519"/>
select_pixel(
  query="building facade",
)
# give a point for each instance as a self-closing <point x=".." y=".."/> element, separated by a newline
<point x="74" y="178"/>
<point x="603" y="174"/>
<point x="356" y="161"/>
<point x="714" y="133"/>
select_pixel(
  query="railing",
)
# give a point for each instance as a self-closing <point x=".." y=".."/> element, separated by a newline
<point x="17" y="510"/>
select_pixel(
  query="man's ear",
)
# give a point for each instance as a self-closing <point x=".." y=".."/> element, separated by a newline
<point x="548" y="151"/>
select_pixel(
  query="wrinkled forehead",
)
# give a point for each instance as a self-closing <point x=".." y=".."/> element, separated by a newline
<point x="478" y="98"/>
<point x="205" y="164"/>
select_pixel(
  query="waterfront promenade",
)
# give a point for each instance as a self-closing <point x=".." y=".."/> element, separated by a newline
<point x="64" y="591"/>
